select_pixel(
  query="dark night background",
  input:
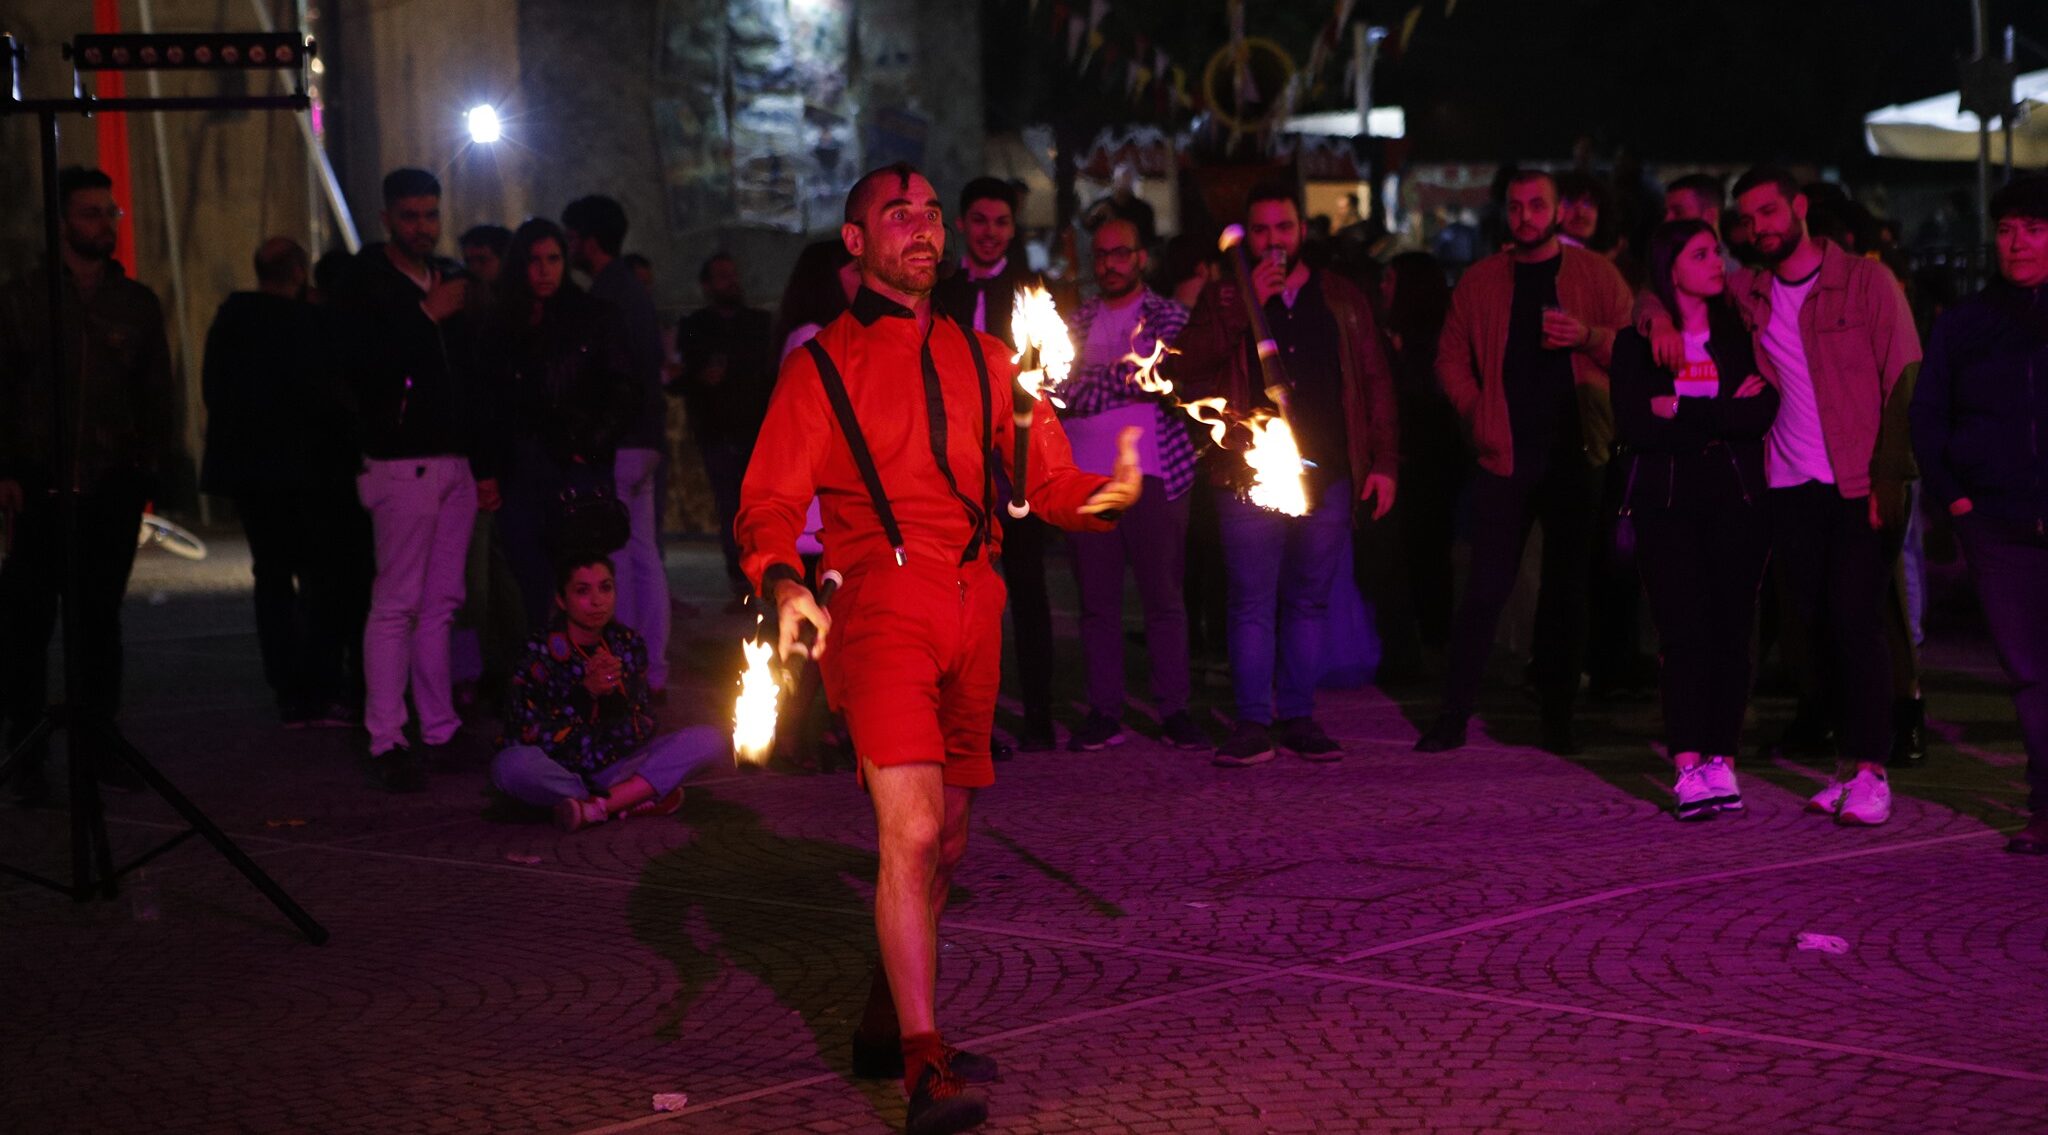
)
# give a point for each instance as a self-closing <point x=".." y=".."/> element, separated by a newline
<point x="1680" y="80"/>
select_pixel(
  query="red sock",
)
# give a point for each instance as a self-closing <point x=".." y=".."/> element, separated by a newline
<point x="919" y="1050"/>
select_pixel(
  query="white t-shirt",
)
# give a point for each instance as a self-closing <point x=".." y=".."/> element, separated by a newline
<point x="1796" y="450"/>
<point x="1700" y="378"/>
<point x="1093" y="438"/>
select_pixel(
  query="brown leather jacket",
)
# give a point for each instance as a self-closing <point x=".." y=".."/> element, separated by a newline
<point x="1214" y="358"/>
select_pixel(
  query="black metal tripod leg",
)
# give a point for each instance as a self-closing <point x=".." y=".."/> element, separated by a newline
<point x="119" y="747"/>
<point x="40" y="735"/>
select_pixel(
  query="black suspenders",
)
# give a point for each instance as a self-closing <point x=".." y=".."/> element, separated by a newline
<point x="864" y="459"/>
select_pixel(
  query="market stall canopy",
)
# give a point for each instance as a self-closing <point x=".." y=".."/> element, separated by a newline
<point x="1938" y="129"/>
<point x="1380" y="122"/>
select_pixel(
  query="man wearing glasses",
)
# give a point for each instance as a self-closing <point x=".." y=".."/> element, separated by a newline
<point x="1127" y="318"/>
<point x="117" y="373"/>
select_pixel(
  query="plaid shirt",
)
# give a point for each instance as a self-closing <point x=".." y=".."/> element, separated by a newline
<point x="1091" y="390"/>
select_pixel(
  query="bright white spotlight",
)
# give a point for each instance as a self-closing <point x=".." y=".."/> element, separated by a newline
<point x="484" y="127"/>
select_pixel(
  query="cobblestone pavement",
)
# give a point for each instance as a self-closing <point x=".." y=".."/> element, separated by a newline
<point x="1493" y="940"/>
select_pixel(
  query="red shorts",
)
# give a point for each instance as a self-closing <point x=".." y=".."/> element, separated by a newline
<point x="915" y="661"/>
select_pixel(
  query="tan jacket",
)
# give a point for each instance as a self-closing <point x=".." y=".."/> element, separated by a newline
<point x="1862" y="351"/>
<point x="1474" y="347"/>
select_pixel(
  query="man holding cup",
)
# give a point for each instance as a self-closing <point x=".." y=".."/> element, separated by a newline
<point x="1524" y="359"/>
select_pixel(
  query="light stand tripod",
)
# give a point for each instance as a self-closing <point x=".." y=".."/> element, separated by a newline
<point x="93" y="873"/>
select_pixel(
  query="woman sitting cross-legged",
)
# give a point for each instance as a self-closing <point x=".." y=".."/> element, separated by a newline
<point x="580" y="738"/>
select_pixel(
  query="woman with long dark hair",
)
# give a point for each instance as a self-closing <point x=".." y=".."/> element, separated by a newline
<point x="1693" y="441"/>
<point x="554" y="367"/>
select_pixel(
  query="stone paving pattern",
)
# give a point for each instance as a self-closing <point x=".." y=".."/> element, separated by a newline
<point x="1493" y="940"/>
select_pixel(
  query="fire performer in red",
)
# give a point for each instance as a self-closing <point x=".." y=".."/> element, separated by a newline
<point x="893" y="418"/>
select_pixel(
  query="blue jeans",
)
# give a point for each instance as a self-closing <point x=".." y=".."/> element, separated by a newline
<point x="527" y="774"/>
<point x="1280" y="569"/>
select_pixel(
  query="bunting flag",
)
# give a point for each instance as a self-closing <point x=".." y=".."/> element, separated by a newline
<point x="1408" y="23"/>
<point x="1326" y="42"/>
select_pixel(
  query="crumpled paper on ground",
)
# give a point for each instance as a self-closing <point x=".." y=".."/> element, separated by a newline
<point x="1825" y="943"/>
<point x="671" y="1101"/>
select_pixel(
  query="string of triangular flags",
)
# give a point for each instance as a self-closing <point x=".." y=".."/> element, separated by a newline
<point x="1148" y="77"/>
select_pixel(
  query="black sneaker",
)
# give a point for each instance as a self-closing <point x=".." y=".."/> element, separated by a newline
<point x="1037" y="738"/>
<point x="882" y="1059"/>
<point x="332" y="715"/>
<point x="395" y="770"/>
<point x="1181" y="732"/>
<point x="942" y="1104"/>
<point x="1305" y="739"/>
<point x="1098" y="732"/>
<point x="1909" y="733"/>
<point x="1444" y="734"/>
<point x="1250" y="743"/>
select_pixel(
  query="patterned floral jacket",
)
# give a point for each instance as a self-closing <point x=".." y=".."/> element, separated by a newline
<point x="546" y="705"/>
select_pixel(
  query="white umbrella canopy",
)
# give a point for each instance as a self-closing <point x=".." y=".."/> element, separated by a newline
<point x="1938" y="129"/>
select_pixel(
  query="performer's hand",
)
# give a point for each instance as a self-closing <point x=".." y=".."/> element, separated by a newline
<point x="488" y="497"/>
<point x="11" y="498"/>
<point x="1125" y="483"/>
<point x="1379" y="488"/>
<point x="795" y="606"/>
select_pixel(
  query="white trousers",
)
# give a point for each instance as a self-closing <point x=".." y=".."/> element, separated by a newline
<point x="642" y="581"/>
<point x="422" y="510"/>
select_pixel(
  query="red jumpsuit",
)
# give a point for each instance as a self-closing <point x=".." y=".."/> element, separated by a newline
<point x="914" y="660"/>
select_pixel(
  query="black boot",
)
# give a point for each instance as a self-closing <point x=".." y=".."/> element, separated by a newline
<point x="1444" y="734"/>
<point x="1558" y="736"/>
<point x="1909" y="733"/>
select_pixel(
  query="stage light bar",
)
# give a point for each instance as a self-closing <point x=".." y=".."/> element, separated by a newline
<point x="213" y="51"/>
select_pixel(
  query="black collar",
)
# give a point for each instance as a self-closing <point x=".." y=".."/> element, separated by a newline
<point x="870" y="305"/>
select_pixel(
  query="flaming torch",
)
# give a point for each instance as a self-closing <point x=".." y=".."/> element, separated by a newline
<point x="1278" y="385"/>
<point x="1273" y="457"/>
<point x="762" y="682"/>
<point x="1044" y="356"/>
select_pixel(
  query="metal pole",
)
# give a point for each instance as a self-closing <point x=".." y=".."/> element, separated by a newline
<point x="2011" y="109"/>
<point x="188" y="351"/>
<point x="1983" y="139"/>
<point x="321" y="165"/>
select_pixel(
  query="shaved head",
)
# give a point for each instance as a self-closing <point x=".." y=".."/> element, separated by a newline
<point x="877" y="186"/>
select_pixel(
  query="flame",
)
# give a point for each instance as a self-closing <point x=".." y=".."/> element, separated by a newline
<point x="1043" y="348"/>
<point x="1147" y="377"/>
<point x="753" y="714"/>
<point x="1278" y="479"/>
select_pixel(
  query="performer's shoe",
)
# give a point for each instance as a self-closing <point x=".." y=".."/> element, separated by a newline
<point x="883" y="1060"/>
<point x="942" y="1103"/>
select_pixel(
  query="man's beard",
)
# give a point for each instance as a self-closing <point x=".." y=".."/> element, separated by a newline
<point x="1791" y="239"/>
<point x="99" y="250"/>
<point x="898" y="274"/>
<point x="1117" y="287"/>
<point x="1549" y="231"/>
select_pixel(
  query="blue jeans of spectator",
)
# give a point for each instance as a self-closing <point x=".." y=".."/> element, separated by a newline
<point x="1280" y="569"/>
<point x="527" y="774"/>
<point x="2009" y="564"/>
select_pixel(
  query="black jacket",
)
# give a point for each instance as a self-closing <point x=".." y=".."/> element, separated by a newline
<point x="955" y="295"/>
<point x="731" y="409"/>
<point x="559" y="392"/>
<point x="407" y="371"/>
<point x="119" y="363"/>
<point x="1980" y="412"/>
<point x="278" y="414"/>
<point x="1711" y="442"/>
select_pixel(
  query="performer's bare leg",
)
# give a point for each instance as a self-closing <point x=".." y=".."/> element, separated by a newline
<point x="911" y="827"/>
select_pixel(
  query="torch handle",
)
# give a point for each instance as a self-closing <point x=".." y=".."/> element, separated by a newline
<point x="828" y="585"/>
<point x="1020" y="463"/>
<point x="1270" y="367"/>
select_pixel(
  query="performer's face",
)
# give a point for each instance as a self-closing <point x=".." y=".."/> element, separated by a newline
<point x="588" y="599"/>
<point x="898" y="240"/>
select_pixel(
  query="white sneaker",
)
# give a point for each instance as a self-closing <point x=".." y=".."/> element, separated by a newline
<point x="1697" y="797"/>
<point x="1720" y="777"/>
<point x="1828" y="801"/>
<point x="1867" y="800"/>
